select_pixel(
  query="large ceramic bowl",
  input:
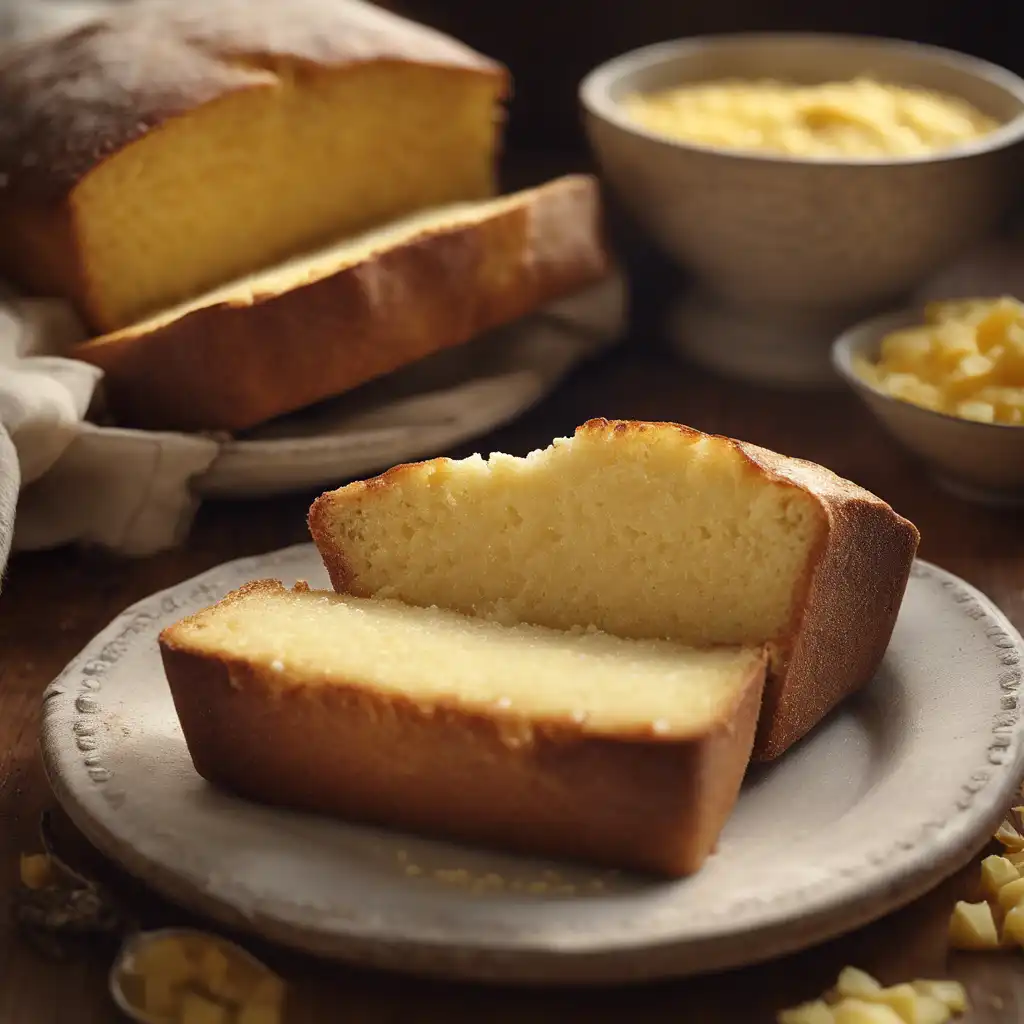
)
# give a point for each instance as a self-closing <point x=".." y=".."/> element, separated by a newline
<point x="978" y="461"/>
<point x="788" y="252"/>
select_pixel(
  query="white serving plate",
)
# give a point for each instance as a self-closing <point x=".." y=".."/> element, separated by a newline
<point x="893" y="793"/>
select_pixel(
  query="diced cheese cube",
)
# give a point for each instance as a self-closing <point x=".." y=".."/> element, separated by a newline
<point x="995" y="873"/>
<point x="1010" y="837"/>
<point x="973" y="927"/>
<point x="858" y="1011"/>
<point x="904" y="350"/>
<point x="856" y="984"/>
<point x="1013" y="926"/>
<point x="1010" y="894"/>
<point x="980" y="412"/>
<point x="952" y="993"/>
<point x="994" y="326"/>
<point x="913" y="1007"/>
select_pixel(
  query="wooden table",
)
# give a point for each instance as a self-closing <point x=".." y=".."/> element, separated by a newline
<point x="53" y="603"/>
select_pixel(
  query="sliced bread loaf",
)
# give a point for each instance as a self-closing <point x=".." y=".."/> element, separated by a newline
<point x="325" y="322"/>
<point x="643" y="530"/>
<point x="168" y="146"/>
<point x="627" y="753"/>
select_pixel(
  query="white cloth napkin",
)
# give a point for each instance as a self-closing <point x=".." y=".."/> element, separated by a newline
<point x="123" y="489"/>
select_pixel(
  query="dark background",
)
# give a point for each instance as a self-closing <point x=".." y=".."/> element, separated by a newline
<point x="551" y="44"/>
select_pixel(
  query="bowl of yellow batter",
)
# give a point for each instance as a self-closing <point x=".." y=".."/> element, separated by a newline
<point x="804" y="181"/>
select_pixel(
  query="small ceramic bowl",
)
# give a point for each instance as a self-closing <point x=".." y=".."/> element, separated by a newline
<point x="981" y="462"/>
<point x="788" y="252"/>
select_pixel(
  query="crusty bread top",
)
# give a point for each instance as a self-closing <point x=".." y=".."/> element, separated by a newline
<point x="69" y="101"/>
<point x="809" y="476"/>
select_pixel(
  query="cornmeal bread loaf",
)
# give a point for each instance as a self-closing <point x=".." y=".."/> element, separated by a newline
<point x="172" y="145"/>
<point x="643" y="530"/>
<point x="325" y="322"/>
<point x="628" y="753"/>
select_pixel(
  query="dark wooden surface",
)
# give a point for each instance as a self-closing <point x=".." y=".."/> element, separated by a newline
<point x="53" y="603"/>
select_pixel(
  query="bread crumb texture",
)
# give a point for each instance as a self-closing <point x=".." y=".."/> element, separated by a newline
<point x="661" y="534"/>
<point x="590" y="681"/>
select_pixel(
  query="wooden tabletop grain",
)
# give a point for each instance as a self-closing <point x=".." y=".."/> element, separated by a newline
<point x="53" y="603"/>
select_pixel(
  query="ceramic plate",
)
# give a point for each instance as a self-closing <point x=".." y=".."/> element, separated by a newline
<point x="894" y="792"/>
<point x="441" y="401"/>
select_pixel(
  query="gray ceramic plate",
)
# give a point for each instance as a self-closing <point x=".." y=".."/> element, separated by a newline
<point x="893" y="793"/>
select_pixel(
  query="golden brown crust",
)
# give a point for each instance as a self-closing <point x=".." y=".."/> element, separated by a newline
<point x="318" y="521"/>
<point x="847" y="616"/>
<point x="68" y="102"/>
<point x="232" y="365"/>
<point x="841" y="626"/>
<point x="844" y="622"/>
<point x="542" y="788"/>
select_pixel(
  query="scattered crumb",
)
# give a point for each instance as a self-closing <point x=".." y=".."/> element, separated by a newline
<point x="36" y="870"/>
<point x="548" y="883"/>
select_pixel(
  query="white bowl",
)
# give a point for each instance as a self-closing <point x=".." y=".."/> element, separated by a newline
<point x="981" y="462"/>
<point x="805" y="247"/>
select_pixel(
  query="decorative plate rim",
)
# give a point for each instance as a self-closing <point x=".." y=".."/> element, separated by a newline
<point x="916" y="859"/>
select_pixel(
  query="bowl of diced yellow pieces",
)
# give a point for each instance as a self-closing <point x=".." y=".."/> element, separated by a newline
<point x="947" y="381"/>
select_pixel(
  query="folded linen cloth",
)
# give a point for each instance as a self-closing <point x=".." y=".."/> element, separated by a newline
<point x="123" y="489"/>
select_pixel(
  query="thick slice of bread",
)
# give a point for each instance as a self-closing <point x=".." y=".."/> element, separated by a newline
<point x="643" y="530"/>
<point x="167" y="146"/>
<point x="326" y="322"/>
<point x="578" y="744"/>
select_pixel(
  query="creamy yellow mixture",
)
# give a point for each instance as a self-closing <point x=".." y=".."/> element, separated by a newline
<point x="860" y="119"/>
<point x="966" y="360"/>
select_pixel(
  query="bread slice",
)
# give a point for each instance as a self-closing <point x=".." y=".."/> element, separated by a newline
<point x="643" y="530"/>
<point x="574" y="744"/>
<point x="321" y="324"/>
<point x="168" y="146"/>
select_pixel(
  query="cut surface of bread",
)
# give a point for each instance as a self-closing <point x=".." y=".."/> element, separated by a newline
<point x="595" y="683"/>
<point x="568" y="743"/>
<point x="325" y="322"/>
<point x="171" y="145"/>
<point x="643" y="530"/>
